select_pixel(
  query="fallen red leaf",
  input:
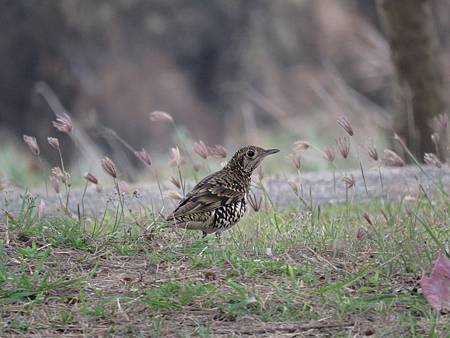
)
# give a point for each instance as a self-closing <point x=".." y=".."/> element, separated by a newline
<point x="436" y="288"/>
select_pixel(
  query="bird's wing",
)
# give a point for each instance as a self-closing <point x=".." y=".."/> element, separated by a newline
<point x="209" y="194"/>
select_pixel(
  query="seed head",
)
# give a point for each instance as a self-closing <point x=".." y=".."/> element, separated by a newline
<point x="109" y="167"/>
<point x="175" y="181"/>
<point x="143" y="156"/>
<point x="64" y="176"/>
<point x="301" y="145"/>
<point x="435" y="138"/>
<point x="329" y="153"/>
<point x="372" y="150"/>
<point x="201" y="149"/>
<point x="54" y="142"/>
<point x="366" y="216"/>
<point x="57" y="172"/>
<point x="343" y="144"/>
<point x="408" y="203"/>
<point x="349" y="181"/>
<point x="124" y="187"/>
<point x="254" y="201"/>
<point x="296" y="160"/>
<point x="392" y="159"/>
<point x="439" y="123"/>
<point x="400" y="140"/>
<point x="293" y="186"/>
<point x="345" y="124"/>
<point x="90" y="177"/>
<point x="160" y="116"/>
<point x="54" y="182"/>
<point x="196" y="166"/>
<point x="98" y="188"/>
<point x="218" y="151"/>
<point x="173" y="195"/>
<point x="41" y="208"/>
<point x="360" y="234"/>
<point x="383" y="213"/>
<point x="63" y="123"/>
<point x="176" y="159"/>
<point x="432" y="159"/>
<point x="439" y="137"/>
<point x="31" y="142"/>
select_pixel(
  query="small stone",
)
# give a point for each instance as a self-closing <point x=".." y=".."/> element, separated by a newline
<point x="152" y="268"/>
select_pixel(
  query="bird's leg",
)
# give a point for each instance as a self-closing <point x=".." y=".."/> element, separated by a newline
<point x="218" y="236"/>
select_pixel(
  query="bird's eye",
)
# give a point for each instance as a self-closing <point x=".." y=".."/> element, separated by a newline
<point x="250" y="153"/>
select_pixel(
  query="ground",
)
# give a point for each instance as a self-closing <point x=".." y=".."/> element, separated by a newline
<point x="350" y="269"/>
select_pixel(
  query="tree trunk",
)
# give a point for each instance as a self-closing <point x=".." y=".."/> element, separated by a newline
<point x="418" y="96"/>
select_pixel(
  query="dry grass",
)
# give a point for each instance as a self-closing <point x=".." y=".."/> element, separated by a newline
<point x="328" y="272"/>
<point x="343" y="270"/>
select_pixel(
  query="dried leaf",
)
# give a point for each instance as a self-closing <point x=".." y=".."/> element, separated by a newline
<point x="436" y="288"/>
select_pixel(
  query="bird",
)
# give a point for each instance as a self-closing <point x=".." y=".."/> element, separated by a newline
<point x="218" y="201"/>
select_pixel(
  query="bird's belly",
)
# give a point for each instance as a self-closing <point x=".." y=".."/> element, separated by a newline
<point x="229" y="215"/>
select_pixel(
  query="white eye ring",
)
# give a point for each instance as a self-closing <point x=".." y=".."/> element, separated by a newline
<point x="250" y="153"/>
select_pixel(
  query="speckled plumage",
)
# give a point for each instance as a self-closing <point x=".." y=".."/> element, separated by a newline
<point x="218" y="201"/>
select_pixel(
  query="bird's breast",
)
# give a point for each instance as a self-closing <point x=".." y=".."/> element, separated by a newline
<point x="230" y="214"/>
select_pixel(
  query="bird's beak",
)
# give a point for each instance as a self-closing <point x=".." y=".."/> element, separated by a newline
<point x="270" y="151"/>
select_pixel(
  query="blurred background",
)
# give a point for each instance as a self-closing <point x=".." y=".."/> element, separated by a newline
<point x="230" y="72"/>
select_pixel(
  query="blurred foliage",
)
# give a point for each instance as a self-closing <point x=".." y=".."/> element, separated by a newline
<point x="19" y="169"/>
<point x="231" y="71"/>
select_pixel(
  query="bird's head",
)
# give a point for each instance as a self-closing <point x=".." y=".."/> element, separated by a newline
<point x="248" y="158"/>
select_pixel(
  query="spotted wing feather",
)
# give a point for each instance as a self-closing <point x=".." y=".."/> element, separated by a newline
<point x="209" y="194"/>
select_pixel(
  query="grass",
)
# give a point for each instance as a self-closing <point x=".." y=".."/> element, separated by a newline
<point x="342" y="270"/>
<point x="323" y="271"/>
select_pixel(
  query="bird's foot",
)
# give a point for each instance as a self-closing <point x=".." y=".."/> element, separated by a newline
<point x="218" y="236"/>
